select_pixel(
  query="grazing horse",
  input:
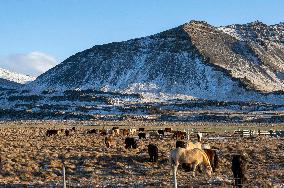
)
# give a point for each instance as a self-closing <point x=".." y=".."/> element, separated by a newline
<point x="132" y="131"/>
<point x="180" y="144"/>
<point x="161" y="132"/>
<point x="153" y="152"/>
<point x="192" y="157"/>
<point x="115" y="131"/>
<point x="51" y="132"/>
<point x="109" y="141"/>
<point x="125" y="132"/>
<point x="142" y="135"/>
<point x="95" y="131"/>
<point x="103" y="132"/>
<point x="154" y="134"/>
<point x="168" y="130"/>
<point x="213" y="158"/>
<point x="179" y="135"/>
<point x="239" y="168"/>
<point x="130" y="142"/>
<point x="67" y="132"/>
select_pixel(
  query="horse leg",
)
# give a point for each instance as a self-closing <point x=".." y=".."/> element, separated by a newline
<point x="194" y="168"/>
<point x="175" y="175"/>
<point x="155" y="157"/>
<point x="200" y="169"/>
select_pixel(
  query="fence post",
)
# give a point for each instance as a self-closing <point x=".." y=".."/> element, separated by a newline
<point x="64" y="178"/>
<point x="63" y="171"/>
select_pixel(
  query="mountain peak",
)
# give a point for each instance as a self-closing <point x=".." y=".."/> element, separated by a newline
<point x="197" y="23"/>
<point x="194" y="59"/>
<point x="257" y="23"/>
<point x="15" y="77"/>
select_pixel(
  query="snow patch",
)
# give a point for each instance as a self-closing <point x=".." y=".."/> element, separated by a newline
<point x="15" y="77"/>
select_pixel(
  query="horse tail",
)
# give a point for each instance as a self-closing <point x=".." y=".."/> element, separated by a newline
<point x="216" y="160"/>
<point x="205" y="158"/>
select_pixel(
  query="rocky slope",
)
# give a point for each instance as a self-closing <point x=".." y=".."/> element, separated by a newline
<point x="6" y="84"/>
<point x="238" y="62"/>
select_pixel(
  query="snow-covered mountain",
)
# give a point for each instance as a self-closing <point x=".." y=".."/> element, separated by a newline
<point x="194" y="72"/>
<point x="6" y="84"/>
<point x="256" y="31"/>
<point x="15" y="77"/>
<point x="233" y="63"/>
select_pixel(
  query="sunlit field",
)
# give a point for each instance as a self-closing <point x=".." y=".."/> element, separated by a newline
<point x="29" y="157"/>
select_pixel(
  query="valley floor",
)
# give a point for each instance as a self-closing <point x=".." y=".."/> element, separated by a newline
<point x="29" y="157"/>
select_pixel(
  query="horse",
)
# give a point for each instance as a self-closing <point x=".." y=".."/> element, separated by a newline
<point x="199" y="136"/>
<point x="179" y="135"/>
<point x="192" y="157"/>
<point x="191" y="145"/>
<point x="211" y="154"/>
<point x="153" y="152"/>
<point x="142" y="135"/>
<point x="180" y="144"/>
<point x="109" y="141"/>
<point x="51" y="132"/>
<point x="130" y="142"/>
<point x="213" y="158"/>
<point x="239" y="168"/>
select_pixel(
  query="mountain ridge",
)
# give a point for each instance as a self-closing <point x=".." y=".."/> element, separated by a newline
<point x="194" y="59"/>
<point x="15" y="77"/>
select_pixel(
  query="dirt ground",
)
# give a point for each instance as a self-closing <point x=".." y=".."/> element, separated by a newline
<point x="28" y="157"/>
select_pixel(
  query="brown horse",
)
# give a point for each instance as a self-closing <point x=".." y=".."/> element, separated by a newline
<point x="239" y="168"/>
<point x="179" y="135"/>
<point x="109" y="141"/>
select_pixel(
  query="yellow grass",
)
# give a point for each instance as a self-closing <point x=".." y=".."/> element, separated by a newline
<point x="29" y="157"/>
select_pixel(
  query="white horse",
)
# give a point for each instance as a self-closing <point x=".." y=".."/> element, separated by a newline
<point x="192" y="157"/>
<point x="199" y="136"/>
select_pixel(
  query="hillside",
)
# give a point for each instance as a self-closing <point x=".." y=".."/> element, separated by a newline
<point x="194" y="72"/>
<point x="194" y="60"/>
<point x="6" y="84"/>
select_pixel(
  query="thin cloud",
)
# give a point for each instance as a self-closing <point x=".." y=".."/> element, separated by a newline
<point x="33" y="63"/>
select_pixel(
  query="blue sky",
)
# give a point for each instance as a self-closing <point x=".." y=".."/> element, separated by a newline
<point x="42" y="33"/>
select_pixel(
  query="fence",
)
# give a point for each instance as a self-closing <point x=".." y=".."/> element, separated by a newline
<point x="250" y="133"/>
<point x="243" y="133"/>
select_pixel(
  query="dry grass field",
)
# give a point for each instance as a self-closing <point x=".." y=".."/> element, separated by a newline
<point x="28" y="157"/>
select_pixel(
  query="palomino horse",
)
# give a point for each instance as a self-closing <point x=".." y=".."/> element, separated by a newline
<point x="190" y="145"/>
<point x="192" y="157"/>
